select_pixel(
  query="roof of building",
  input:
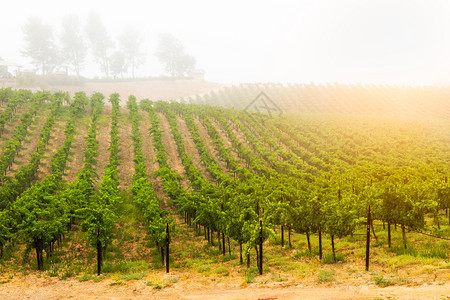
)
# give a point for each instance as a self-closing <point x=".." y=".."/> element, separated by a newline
<point x="5" y="63"/>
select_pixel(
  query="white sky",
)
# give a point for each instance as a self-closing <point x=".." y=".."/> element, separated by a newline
<point x="382" y="41"/>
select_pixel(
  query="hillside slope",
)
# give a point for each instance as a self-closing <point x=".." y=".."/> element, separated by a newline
<point x="143" y="89"/>
<point x="207" y="166"/>
<point x="385" y="100"/>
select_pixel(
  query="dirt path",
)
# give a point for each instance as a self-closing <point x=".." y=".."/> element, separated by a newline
<point x="190" y="148"/>
<point x="332" y="292"/>
<point x="173" y="158"/>
<point x="125" y="168"/>
<point x="30" y="142"/>
<point x="11" y="125"/>
<point x="33" y="287"/>
<point x="147" y="143"/>
<point x="104" y="140"/>
<point x="275" y="134"/>
<point x="150" y="154"/>
<point x="55" y="142"/>
<point x="253" y="132"/>
<point x="239" y="135"/>
<point x="203" y="132"/>
<point x="243" y="140"/>
<point x="285" y="134"/>
<point x="75" y="160"/>
<point x="225" y="139"/>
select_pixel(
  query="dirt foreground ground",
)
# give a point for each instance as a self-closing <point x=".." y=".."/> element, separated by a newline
<point x="33" y="287"/>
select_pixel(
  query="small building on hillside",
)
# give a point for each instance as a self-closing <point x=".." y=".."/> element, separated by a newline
<point x="198" y="74"/>
<point x="9" y="69"/>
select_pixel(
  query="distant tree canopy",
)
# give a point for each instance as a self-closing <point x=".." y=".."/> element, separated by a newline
<point x="118" y="63"/>
<point x="40" y="46"/>
<point x="99" y="42"/>
<point x="171" y="53"/>
<point x="75" y="40"/>
<point x="73" y="46"/>
<point x="130" y="43"/>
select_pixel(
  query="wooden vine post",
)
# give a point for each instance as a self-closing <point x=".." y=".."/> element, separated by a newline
<point x="368" y="239"/>
<point x="282" y="228"/>
<point x="167" y="247"/>
<point x="99" y="253"/>
<point x="320" y="244"/>
<point x="389" y="234"/>
<point x="223" y="237"/>
<point x="260" y="248"/>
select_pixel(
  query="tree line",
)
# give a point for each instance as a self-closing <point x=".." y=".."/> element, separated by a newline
<point x="69" y="48"/>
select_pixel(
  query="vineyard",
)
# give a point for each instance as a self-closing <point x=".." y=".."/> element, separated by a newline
<point x="395" y="101"/>
<point x="91" y="189"/>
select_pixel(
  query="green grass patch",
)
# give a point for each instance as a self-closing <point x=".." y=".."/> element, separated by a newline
<point x="173" y="280"/>
<point x="93" y="277"/>
<point x="133" y="276"/>
<point x="229" y="257"/>
<point x="85" y="277"/>
<point x="250" y="274"/>
<point x="439" y="249"/>
<point x="430" y="249"/>
<point x="118" y="282"/>
<point x="158" y="285"/>
<point x="325" y="276"/>
<point x="53" y="271"/>
<point x="306" y="253"/>
<point x="222" y="271"/>
<point x="211" y="251"/>
<point x="278" y="278"/>
<point x="125" y="266"/>
<point x="329" y="259"/>
<point x="203" y="269"/>
<point x="381" y="281"/>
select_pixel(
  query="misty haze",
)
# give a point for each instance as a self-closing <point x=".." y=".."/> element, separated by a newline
<point x="225" y="150"/>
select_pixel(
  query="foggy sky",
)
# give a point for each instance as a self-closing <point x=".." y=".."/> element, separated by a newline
<point x="397" y="42"/>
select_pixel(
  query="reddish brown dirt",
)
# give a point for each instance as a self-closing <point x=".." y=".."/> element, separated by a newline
<point x="265" y="143"/>
<point x="190" y="148"/>
<point x="75" y="160"/>
<point x="126" y="153"/>
<point x="30" y="142"/>
<point x="287" y="148"/>
<point x="226" y="141"/>
<point x="254" y="132"/>
<point x="202" y="131"/>
<point x="240" y="136"/>
<point x="223" y="135"/>
<point x="159" y="189"/>
<point x="10" y="126"/>
<point x="104" y="140"/>
<point x="147" y="143"/>
<point x="173" y="159"/>
<point x="150" y="154"/>
<point x="56" y="141"/>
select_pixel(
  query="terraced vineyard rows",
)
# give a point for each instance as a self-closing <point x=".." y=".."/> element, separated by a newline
<point x="405" y="101"/>
<point x="222" y="171"/>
